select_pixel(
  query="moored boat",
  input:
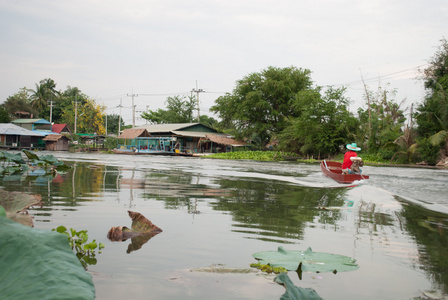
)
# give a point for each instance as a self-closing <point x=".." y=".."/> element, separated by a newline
<point x="333" y="170"/>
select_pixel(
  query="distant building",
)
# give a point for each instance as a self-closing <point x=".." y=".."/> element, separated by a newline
<point x="195" y="137"/>
<point x="16" y="137"/>
<point x="56" y="142"/>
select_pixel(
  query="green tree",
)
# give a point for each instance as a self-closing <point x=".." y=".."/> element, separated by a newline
<point x="19" y="102"/>
<point x="262" y="103"/>
<point x="4" y="115"/>
<point x="208" y="121"/>
<point x="90" y="117"/>
<point x="432" y="113"/>
<point x="113" y="122"/>
<point x="42" y="96"/>
<point x="180" y="109"/>
<point x="383" y="120"/>
<point x="323" y="125"/>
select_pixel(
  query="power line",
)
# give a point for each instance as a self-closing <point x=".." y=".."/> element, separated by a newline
<point x="386" y="76"/>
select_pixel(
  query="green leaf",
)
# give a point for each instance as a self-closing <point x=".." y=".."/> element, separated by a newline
<point x="306" y="261"/>
<point x="293" y="292"/>
<point x="39" y="264"/>
<point x="61" y="229"/>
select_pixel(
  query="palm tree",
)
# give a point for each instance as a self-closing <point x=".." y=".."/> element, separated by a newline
<point x="39" y="97"/>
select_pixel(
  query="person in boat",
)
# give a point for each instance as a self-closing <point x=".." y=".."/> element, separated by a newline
<point x="352" y="162"/>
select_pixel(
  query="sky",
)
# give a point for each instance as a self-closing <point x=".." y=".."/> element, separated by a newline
<point x="153" y="49"/>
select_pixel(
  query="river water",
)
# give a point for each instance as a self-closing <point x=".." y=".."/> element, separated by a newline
<point x="218" y="213"/>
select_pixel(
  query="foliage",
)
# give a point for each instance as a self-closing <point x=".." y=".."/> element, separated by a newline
<point x="268" y="269"/>
<point x="253" y="155"/>
<point x="4" y="115"/>
<point x="324" y="123"/>
<point x="85" y="251"/>
<point x="39" y="264"/>
<point x="432" y="113"/>
<point x="261" y="103"/>
<point x="382" y="121"/>
<point x="428" y="152"/>
<point x="179" y="110"/>
<point x="113" y="125"/>
<point x="293" y="292"/>
<point x="45" y="165"/>
<point x="19" y="102"/>
<point x="208" y="121"/>
<point x="110" y="142"/>
<point x="306" y="261"/>
<point x="90" y="118"/>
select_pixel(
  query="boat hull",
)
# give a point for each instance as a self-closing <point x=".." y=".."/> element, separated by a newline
<point x="149" y="152"/>
<point x="333" y="170"/>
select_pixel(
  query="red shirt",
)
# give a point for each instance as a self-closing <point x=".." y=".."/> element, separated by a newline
<point x="347" y="163"/>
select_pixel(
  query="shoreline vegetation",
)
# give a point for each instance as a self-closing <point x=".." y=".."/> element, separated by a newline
<point x="286" y="156"/>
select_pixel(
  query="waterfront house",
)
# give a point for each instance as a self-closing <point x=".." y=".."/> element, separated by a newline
<point x="16" y="137"/>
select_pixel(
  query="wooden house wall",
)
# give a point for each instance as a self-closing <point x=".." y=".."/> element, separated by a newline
<point x="59" y="145"/>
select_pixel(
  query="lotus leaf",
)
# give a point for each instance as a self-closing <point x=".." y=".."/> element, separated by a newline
<point x="30" y="154"/>
<point x="306" y="261"/>
<point x="293" y="292"/>
<point x="15" y="203"/>
<point x="142" y="230"/>
<point x="39" y="264"/>
<point x="15" y="157"/>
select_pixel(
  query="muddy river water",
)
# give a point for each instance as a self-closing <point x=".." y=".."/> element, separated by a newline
<point x="218" y="213"/>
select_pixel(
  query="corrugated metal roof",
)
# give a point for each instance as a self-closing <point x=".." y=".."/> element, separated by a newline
<point x="30" y="121"/>
<point x="190" y="133"/>
<point x="167" y="127"/>
<point x="59" y="127"/>
<point x="11" y="129"/>
<point x="43" y="132"/>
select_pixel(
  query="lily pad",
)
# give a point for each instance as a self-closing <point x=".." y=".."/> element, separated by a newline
<point x="293" y="292"/>
<point x="39" y="264"/>
<point x="306" y="261"/>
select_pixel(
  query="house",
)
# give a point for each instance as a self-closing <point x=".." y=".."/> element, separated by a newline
<point x="16" y="137"/>
<point x="219" y="143"/>
<point x="187" y="134"/>
<point x="56" y="142"/>
<point x="195" y="137"/>
<point x="40" y="126"/>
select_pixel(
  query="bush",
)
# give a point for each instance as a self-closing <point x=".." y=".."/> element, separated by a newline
<point x="428" y="152"/>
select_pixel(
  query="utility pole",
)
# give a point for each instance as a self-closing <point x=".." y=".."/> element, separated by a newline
<point x="76" y="112"/>
<point x="147" y="108"/>
<point x="119" y="119"/>
<point x="51" y="109"/>
<point x="197" y="91"/>
<point x="133" y="108"/>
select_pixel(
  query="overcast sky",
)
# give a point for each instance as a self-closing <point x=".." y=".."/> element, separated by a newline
<point x="111" y="49"/>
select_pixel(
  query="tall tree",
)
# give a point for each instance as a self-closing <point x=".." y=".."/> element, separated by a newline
<point x="432" y="113"/>
<point x="39" y="98"/>
<point x="113" y="124"/>
<point x="323" y="125"/>
<point x="19" y="103"/>
<point x="4" y="116"/>
<point x="261" y="103"/>
<point x="179" y="109"/>
<point x="383" y="120"/>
